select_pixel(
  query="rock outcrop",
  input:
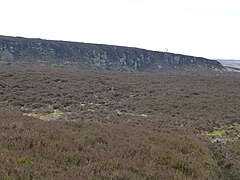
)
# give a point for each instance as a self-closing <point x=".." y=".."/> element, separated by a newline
<point x="23" y="51"/>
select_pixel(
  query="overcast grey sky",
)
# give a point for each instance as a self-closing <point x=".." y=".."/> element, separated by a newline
<point x="208" y="28"/>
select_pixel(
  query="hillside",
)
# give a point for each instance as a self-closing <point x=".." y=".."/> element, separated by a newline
<point x="80" y="124"/>
<point x="72" y="110"/>
<point x="35" y="52"/>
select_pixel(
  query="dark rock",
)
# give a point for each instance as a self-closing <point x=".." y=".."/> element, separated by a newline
<point x="22" y="51"/>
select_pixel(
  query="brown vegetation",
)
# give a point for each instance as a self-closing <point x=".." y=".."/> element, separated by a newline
<point x="116" y="125"/>
<point x="31" y="148"/>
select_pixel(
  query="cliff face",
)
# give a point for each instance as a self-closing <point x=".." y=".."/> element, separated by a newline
<point x="22" y="51"/>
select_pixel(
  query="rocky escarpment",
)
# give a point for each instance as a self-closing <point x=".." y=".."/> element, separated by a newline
<point x="23" y="51"/>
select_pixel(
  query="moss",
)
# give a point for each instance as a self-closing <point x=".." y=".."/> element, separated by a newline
<point x="47" y="117"/>
<point x="216" y="133"/>
<point x="4" y="175"/>
<point x="223" y="133"/>
<point x="4" y="145"/>
<point x="25" y="162"/>
<point x="165" y="160"/>
<point x="237" y="127"/>
<point x="73" y="159"/>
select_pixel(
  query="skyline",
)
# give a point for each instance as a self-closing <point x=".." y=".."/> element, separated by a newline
<point x="200" y="28"/>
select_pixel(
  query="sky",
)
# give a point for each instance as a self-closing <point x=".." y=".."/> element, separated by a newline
<point x="205" y="28"/>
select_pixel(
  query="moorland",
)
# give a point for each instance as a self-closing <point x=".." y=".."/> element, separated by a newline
<point x="58" y="123"/>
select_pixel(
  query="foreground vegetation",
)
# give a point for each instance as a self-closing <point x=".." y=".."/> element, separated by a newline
<point x="32" y="148"/>
<point x="59" y="124"/>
